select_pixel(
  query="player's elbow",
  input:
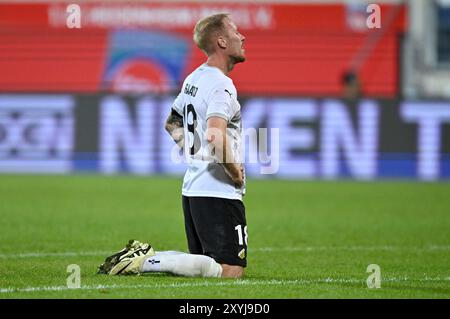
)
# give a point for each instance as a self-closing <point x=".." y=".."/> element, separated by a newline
<point x="210" y="138"/>
<point x="215" y="136"/>
<point x="168" y="127"/>
<point x="216" y="144"/>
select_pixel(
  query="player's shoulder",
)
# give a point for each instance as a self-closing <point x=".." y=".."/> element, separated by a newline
<point x="205" y="80"/>
<point x="213" y="78"/>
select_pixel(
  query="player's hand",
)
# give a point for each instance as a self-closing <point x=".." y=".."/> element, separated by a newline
<point x="235" y="172"/>
<point x="239" y="179"/>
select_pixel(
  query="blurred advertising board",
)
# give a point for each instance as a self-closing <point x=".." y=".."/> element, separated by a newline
<point x="304" y="138"/>
<point x="292" y="49"/>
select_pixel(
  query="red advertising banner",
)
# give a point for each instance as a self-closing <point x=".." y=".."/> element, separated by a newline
<point x="291" y="49"/>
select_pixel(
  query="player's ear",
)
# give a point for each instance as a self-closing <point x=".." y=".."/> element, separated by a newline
<point x="222" y="42"/>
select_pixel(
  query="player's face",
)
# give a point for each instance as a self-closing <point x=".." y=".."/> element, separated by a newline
<point x="236" y="40"/>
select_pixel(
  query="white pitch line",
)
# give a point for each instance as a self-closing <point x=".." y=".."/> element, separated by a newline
<point x="261" y="249"/>
<point x="355" y="248"/>
<point x="55" y="254"/>
<point x="237" y="283"/>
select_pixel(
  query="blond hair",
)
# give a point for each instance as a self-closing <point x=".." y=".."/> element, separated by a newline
<point x="206" y="28"/>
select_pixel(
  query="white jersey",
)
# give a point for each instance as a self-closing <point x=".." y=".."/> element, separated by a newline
<point x="208" y="92"/>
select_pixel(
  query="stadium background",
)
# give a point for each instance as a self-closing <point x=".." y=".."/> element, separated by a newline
<point x="94" y="99"/>
<point x="85" y="163"/>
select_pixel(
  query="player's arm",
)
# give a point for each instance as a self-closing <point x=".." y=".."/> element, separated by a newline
<point x="216" y="135"/>
<point x="174" y="126"/>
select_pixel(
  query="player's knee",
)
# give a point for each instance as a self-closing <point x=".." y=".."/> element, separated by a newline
<point x="230" y="271"/>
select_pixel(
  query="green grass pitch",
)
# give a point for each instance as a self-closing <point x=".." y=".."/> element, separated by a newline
<point x="306" y="239"/>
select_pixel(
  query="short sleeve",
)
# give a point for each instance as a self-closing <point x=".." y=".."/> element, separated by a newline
<point x="178" y="105"/>
<point x="220" y="103"/>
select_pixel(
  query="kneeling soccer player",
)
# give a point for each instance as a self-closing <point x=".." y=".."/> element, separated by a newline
<point x="208" y="114"/>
